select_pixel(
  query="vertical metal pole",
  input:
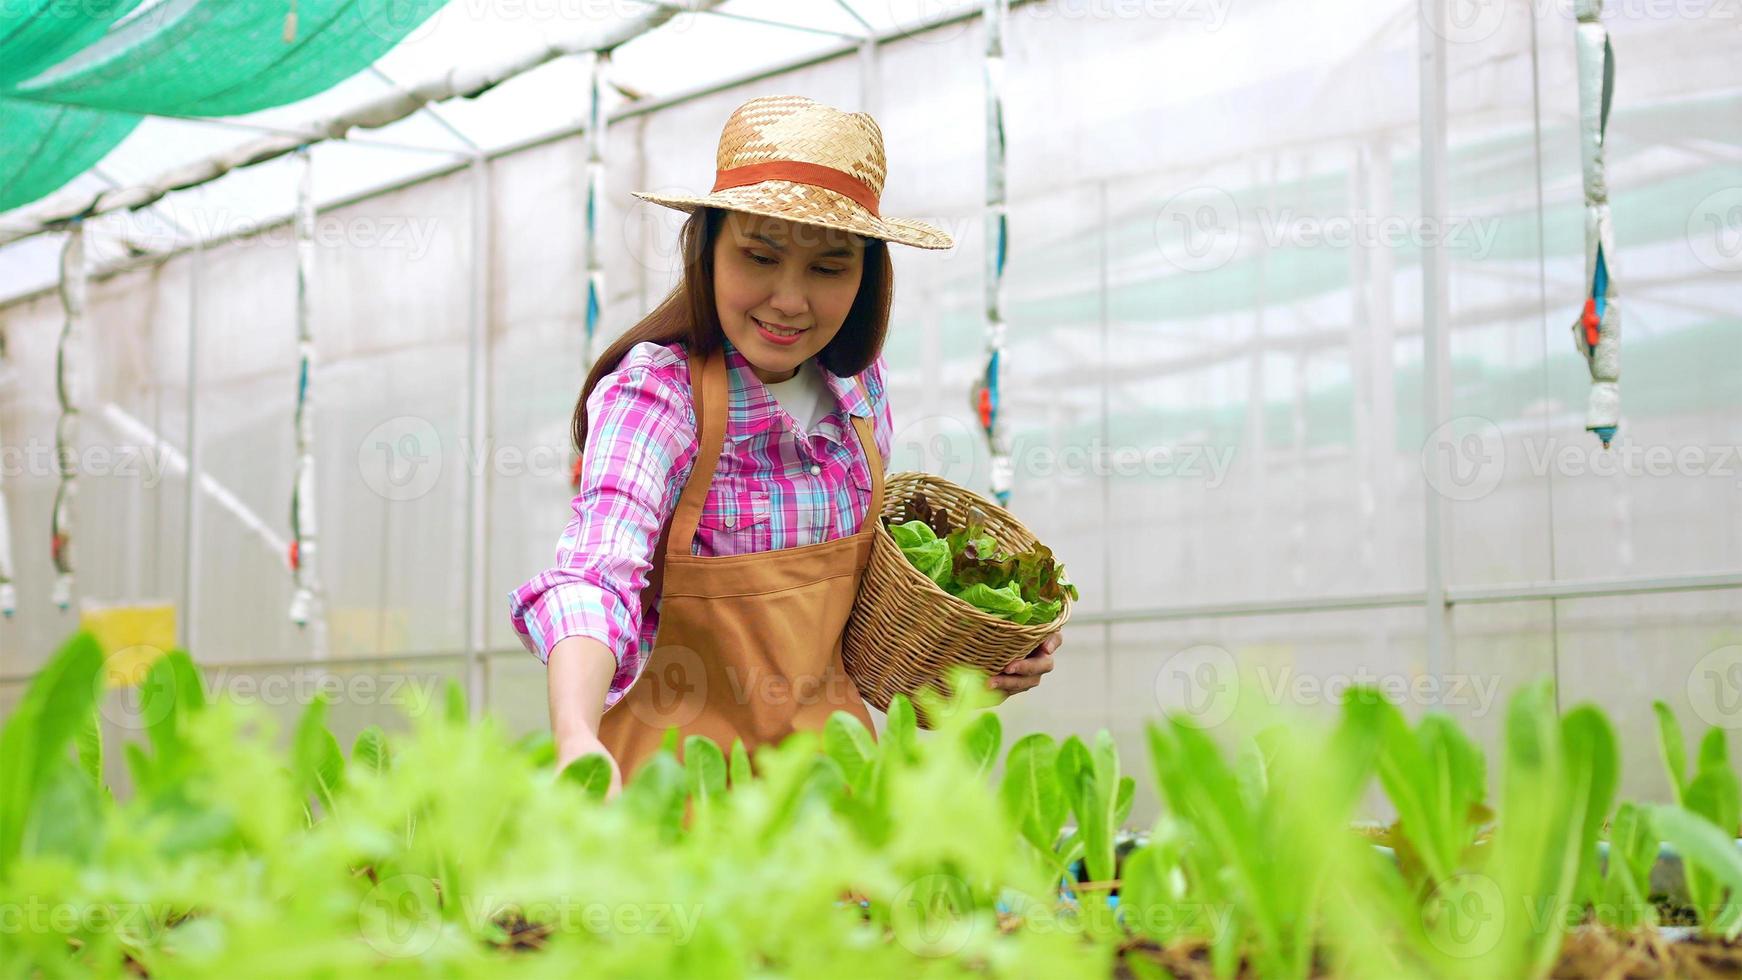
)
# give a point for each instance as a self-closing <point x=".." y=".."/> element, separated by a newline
<point x="190" y="505"/>
<point x="1435" y="311"/>
<point x="478" y="427"/>
<point x="1548" y="483"/>
<point x="1103" y="287"/>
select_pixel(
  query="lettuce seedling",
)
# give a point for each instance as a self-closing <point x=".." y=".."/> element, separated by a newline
<point x="38" y="779"/>
<point x="1436" y="778"/>
<point x="1260" y="850"/>
<point x="1099" y="797"/>
<point x="1710" y="851"/>
<point x="1625" y="902"/>
<point x="1714" y="795"/>
<point x="1558" y="783"/>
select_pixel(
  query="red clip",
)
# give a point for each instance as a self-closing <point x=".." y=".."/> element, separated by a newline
<point x="575" y="474"/>
<point x="985" y="408"/>
<point x="56" y="545"/>
<point x="1591" y="321"/>
<point x="295" y="555"/>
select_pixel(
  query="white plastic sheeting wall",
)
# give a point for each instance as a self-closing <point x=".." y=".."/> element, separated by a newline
<point x="1279" y="362"/>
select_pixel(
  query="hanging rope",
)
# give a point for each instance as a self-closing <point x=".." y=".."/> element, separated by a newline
<point x="596" y="123"/>
<point x="73" y="284"/>
<point x="985" y="395"/>
<point x="302" y="493"/>
<point x="1597" y="331"/>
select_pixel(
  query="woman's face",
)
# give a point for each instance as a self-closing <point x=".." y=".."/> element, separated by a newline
<point x="784" y="274"/>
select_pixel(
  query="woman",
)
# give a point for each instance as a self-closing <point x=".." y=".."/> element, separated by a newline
<point x="733" y="447"/>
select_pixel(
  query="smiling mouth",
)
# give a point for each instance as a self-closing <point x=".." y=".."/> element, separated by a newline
<point x="778" y="331"/>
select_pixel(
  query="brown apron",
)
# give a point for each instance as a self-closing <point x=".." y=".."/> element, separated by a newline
<point x="749" y="646"/>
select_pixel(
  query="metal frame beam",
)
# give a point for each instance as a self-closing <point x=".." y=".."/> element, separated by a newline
<point x="1468" y="595"/>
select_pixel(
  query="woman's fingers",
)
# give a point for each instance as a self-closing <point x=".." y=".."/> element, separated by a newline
<point x="1012" y="683"/>
<point x="1034" y="663"/>
<point x="1025" y="672"/>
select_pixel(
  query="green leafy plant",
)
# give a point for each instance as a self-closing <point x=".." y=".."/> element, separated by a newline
<point x="1714" y="795"/>
<point x="1260" y="849"/>
<point x="1026" y="588"/>
<point x="1558" y="783"/>
<point x="447" y="848"/>
<point x="1704" y="847"/>
<point x="1437" y="779"/>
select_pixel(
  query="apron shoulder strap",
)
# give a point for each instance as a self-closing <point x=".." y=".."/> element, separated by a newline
<point x="864" y="426"/>
<point x="708" y="392"/>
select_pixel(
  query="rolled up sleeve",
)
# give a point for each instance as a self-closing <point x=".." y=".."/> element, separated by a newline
<point x="641" y="441"/>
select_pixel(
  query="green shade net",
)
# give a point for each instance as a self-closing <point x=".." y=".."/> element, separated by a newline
<point x="173" y="58"/>
<point x="38" y="34"/>
<point x="43" y="147"/>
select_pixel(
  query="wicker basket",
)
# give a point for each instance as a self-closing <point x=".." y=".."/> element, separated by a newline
<point x="905" y="631"/>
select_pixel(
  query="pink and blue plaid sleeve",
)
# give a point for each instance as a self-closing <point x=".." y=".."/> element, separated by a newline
<point x="641" y="442"/>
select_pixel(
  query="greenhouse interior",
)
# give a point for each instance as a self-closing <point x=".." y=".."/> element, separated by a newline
<point x="1230" y="548"/>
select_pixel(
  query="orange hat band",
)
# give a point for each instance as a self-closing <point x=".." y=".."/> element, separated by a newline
<point x="798" y="171"/>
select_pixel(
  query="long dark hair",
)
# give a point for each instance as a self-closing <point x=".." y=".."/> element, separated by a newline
<point x="688" y="314"/>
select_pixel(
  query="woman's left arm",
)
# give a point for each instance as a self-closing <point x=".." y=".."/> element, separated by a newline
<point x="1021" y="674"/>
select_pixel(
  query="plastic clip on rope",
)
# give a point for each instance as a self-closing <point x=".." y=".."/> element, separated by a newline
<point x="1597" y="329"/>
<point x="73" y="287"/>
<point x="302" y="493"/>
<point x="985" y="397"/>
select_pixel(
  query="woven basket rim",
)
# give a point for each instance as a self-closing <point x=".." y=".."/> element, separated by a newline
<point x="937" y="591"/>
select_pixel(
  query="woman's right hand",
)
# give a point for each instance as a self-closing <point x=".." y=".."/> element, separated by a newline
<point x="581" y="743"/>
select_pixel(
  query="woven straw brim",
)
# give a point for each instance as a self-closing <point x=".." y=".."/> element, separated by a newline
<point x="811" y="205"/>
<point x="905" y="632"/>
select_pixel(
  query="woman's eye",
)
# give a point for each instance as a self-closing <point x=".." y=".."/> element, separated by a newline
<point x="825" y="270"/>
<point x="760" y="259"/>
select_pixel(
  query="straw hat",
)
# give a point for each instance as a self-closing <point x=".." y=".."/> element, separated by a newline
<point x="786" y="156"/>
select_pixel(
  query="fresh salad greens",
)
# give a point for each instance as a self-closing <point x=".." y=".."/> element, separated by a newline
<point x="1027" y="588"/>
<point x="447" y="849"/>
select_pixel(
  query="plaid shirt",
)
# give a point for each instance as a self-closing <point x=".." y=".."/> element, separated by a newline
<point x="775" y="487"/>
